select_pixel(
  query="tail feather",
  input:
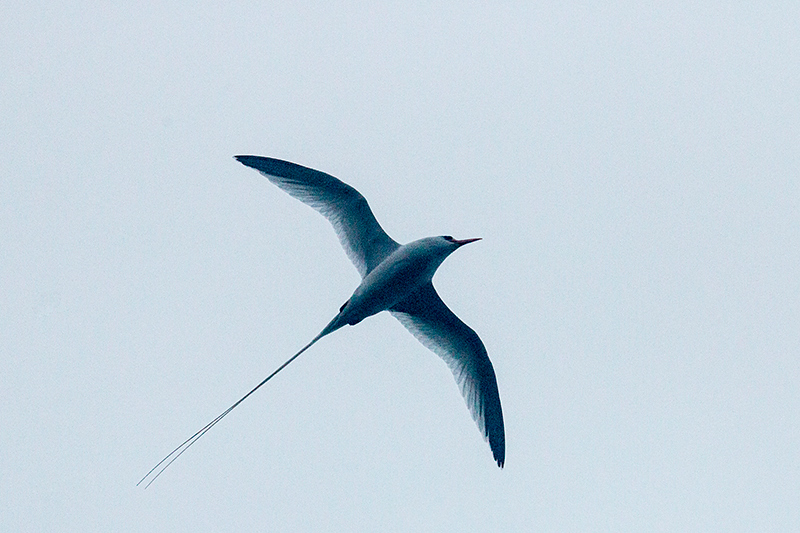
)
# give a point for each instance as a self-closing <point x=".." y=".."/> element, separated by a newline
<point x="157" y="470"/>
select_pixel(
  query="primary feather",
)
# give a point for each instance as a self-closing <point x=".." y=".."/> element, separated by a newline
<point x="362" y="238"/>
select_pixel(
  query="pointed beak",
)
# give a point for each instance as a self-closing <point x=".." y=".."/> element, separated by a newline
<point x="466" y="241"/>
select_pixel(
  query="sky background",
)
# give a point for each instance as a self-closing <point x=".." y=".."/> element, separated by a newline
<point x="632" y="168"/>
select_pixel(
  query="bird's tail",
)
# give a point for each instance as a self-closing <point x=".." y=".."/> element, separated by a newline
<point x="157" y="470"/>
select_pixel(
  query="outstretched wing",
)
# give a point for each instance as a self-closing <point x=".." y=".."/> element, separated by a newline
<point x="361" y="236"/>
<point x="426" y="316"/>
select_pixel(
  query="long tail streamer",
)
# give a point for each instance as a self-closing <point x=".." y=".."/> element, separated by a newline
<point x="162" y="465"/>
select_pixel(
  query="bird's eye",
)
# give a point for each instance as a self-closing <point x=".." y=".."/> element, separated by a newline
<point x="448" y="238"/>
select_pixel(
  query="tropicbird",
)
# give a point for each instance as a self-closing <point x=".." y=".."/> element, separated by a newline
<point x="394" y="278"/>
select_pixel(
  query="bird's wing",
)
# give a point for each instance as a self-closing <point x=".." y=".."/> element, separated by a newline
<point x="426" y="316"/>
<point x="361" y="236"/>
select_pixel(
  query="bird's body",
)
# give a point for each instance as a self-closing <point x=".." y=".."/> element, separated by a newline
<point x="395" y="278"/>
<point x="402" y="272"/>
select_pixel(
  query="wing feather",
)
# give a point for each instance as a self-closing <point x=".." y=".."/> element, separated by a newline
<point x="427" y="317"/>
<point x="362" y="238"/>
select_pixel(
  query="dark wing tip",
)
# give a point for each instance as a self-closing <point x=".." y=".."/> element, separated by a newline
<point x="288" y="170"/>
<point x="266" y="164"/>
<point x="499" y="451"/>
<point x="249" y="160"/>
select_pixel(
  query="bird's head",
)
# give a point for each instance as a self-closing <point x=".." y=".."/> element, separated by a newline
<point x="458" y="243"/>
<point x="431" y="251"/>
<point x="446" y="245"/>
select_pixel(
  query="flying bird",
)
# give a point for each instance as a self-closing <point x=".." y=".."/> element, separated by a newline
<point x="394" y="278"/>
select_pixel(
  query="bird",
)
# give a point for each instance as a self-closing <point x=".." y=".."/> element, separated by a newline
<point x="395" y="278"/>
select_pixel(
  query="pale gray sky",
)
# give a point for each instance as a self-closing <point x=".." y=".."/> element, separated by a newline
<point x="632" y="168"/>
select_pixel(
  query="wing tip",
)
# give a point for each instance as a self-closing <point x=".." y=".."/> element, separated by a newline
<point x="496" y="436"/>
<point x="248" y="160"/>
<point x="500" y="457"/>
<point x="499" y="453"/>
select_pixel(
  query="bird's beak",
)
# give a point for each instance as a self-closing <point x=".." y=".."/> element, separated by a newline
<point x="466" y="241"/>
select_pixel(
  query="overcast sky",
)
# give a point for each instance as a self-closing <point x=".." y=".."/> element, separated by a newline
<point x="631" y="167"/>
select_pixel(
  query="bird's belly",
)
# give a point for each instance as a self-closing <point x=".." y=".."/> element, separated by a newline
<point x="384" y="287"/>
